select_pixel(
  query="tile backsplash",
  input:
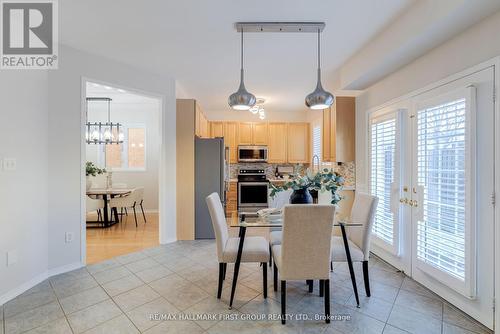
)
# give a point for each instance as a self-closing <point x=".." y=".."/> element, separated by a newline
<point x="346" y="169"/>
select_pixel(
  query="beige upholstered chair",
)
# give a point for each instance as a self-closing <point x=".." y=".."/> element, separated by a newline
<point x="136" y="197"/>
<point x="255" y="249"/>
<point x="92" y="205"/>
<point x="305" y="250"/>
<point x="363" y="211"/>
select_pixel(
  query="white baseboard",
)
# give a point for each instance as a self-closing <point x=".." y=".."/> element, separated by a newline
<point x="37" y="280"/>
<point x="168" y="241"/>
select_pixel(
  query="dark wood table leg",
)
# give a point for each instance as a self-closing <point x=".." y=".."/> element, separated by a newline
<point x="349" y="263"/>
<point x="237" y="264"/>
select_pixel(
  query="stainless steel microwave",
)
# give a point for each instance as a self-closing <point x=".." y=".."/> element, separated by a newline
<point x="252" y="153"/>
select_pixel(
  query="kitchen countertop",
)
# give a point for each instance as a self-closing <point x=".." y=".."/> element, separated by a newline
<point x="347" y="188"/>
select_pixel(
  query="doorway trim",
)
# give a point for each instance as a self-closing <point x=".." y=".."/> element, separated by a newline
<point x="162" y="226"/>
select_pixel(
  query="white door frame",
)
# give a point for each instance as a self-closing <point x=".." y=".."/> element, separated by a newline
<point x="163" y="239"/>
<point x="495" y="63"/>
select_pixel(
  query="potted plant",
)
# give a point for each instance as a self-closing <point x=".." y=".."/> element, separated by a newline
<point x="323" y="180"/>
<point x="92" y="170"/>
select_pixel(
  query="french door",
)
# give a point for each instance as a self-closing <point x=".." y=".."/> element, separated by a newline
<point x="431" y="165"/>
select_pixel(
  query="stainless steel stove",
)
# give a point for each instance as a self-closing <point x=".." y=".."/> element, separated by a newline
<point x="253" y="189"/>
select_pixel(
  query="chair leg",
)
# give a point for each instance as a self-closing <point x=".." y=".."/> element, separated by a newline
<point x="321" y="287"/>
<point x="270" y="255"/>
<point x="221" y="279"/>
<point x="135" y="215"/>
<point x="310" y="282"/>
<point x="327" y="300"/>
<point x="126" y="212"/>
<point x="331" y="266"/>
<point x="283" y="302"/>
<point x="275" y="280"/>
<point x="264" y="279"/>
<point x="366" y="278"/>
<point x="143" y="215"/>
<point x="225" y="269"/>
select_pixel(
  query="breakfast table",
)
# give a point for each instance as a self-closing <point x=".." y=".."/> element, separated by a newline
<point x="244" y="220"/>
<point x="106" y="194"/>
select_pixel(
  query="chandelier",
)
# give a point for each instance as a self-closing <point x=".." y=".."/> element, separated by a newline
<point x="99" y="132"/>
<point x="258" y="108"/>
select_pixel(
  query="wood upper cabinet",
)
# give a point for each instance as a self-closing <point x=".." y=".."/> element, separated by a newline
<point x="339" y="131"/>
<point x="277" y="143"/>
<point x="201" y="123"/>
<point x="216" y="129"/>
<point x="231" y="140"/>
<point x="245" y="134"/>
<point x="298" y="143"/>
<point x="260" y="133"/>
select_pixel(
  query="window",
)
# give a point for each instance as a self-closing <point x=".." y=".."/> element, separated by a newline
<point x="317" y="141"/>
<point x="131" y="155"/>
<point x="382" y="175"/>
<point x="442" y="150"/>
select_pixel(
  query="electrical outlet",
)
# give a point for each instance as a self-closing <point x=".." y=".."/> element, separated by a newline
<point x="68" y="237"/>
<point x="11" y="258"/>
<point x="9" y="164"/>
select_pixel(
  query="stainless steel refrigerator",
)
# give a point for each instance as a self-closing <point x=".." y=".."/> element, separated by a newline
<point x="211" y="174"/>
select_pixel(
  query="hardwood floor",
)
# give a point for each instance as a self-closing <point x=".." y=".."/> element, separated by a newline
<point x="122" y="238"/>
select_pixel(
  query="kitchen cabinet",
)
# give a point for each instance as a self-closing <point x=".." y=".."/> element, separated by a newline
<point x="260" y="133"/>
<point x="201" y="123"/>
<point x="245" y="133"/>
<point x="216" y="129"/>
<point x="231" y="140"/>
<point x="277" y="143"/>
<point x="232" y="198"/>
<point x="339" y="131"/>
<point x="298" y="143"/>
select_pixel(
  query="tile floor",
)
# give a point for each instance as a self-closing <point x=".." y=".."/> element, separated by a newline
<point x="144" y="291"/>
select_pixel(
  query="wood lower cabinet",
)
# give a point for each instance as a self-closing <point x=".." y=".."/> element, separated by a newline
<point x="231" y="140"/>
<point x="232" y="198"/>
<point x="277" y="143"/>
<point x="298" y="143"/>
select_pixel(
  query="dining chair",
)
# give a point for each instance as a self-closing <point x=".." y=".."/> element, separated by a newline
<point x="362" y="211"/>
<point x="304" y="253"/>
<point x="93" y="204"/>
<point x="278" y="202"/>
<point x="136" y="197"/>
<point x="255" y="249"/>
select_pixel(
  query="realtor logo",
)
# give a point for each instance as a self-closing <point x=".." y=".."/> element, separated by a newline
<point x="29" y="34"/>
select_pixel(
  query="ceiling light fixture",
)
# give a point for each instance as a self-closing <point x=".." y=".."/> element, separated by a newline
<point x="319" y="98"/>
<point x="241" y="99"/>
<point x="102" y="133"/>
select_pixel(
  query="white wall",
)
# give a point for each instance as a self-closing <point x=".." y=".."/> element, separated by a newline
<point x="66" y="144"/>
<point x="24" y="192"/>
<point x="130" y="113"/>
<point x="475" y="45"/>
<point x="247" y="116"/>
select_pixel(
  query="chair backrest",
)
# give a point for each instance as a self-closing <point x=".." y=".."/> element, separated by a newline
<point x="138" y="194"/>
<point x="93" y="204"/>
<point x="306" y="245"/>
<point x="363" y="211"/>
<point x="218" y="222"/>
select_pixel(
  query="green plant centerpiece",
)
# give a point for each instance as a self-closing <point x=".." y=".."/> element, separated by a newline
<point x="321" y="181"/>
<point x="92" y="170"/>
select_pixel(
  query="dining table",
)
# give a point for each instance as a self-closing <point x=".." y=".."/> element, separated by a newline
<point x="244" y="220"/>
<point x="106" y="194"/>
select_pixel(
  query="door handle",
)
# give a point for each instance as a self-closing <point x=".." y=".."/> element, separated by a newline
<point x="403" y="200"/>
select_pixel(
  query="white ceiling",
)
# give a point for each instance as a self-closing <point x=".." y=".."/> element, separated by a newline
<point x="195" y="42"/>
<point x="118" y="95"/>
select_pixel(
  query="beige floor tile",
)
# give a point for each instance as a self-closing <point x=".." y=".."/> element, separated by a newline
<point x="135" y="297"/>
<point x="94" y="315"/>
<point x="152" y="313"/>
<point x="104" y="265"/>
<point x="455" y="317"/>
<point x="59" y="326"/>
<point x="83" y="300"/>
<point x="34" y="318"/>
<point x="413" y="322"/>
<point x="393" y="330"/>
<point x="141" y="265"/>
<point x="420" y="303"/>
<point x="153" y="274"/>
<point x="415" y="287"/>
<point x="208" y="306"/>
<point x="129" y="258"/>
<point x="122" y="285"/>
<point x="372" y="306"/>
<point x="112" y="274"/>
<point x="70" y="287"/>
<point x="118" y="325"/>
<point x="175" y="327"/>
<point x="242" y="295"/>
<point x="27" y="302"/>
<point x="240" y="327"/>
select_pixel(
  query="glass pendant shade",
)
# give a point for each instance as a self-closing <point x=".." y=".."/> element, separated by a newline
<point x="242" y="99"/>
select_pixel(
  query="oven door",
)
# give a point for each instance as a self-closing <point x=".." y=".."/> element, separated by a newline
<point x="252" y="153"/>
<point x="253" y="194"/>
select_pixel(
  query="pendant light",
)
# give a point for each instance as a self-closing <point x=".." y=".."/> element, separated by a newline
<point x="319" y="98"/>
<point x="102" y="133"/>
<point x="241" y="99"/>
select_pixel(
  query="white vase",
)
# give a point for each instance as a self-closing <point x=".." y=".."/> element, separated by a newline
<point x="89" y="183"/>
